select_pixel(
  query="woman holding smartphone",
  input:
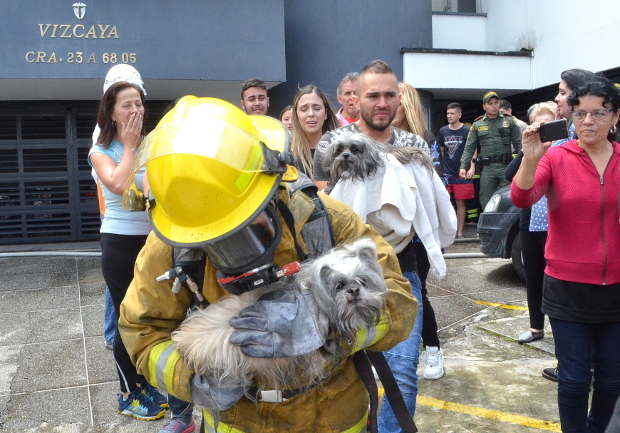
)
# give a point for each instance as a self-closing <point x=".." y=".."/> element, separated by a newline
<point x="581" y="288"/>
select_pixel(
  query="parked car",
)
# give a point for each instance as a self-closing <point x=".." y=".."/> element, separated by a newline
<point x="498" y="229"/>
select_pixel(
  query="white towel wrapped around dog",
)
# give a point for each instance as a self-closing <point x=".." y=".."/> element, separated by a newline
<point x="399" y="200"/>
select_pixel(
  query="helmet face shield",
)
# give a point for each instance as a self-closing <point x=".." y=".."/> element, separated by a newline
<point x="249" y="247"/>
<point x="211" y="138"/>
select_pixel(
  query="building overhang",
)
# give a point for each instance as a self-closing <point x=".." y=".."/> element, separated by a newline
<point x="466" y="75"/>
<point x="31" y="89"/>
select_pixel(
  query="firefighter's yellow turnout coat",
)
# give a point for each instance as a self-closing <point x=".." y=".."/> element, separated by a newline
<point x="151" y="311"/>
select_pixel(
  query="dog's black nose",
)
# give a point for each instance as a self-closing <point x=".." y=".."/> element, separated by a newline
<point x="345" y="154"/>
<point x="354" y="291"/>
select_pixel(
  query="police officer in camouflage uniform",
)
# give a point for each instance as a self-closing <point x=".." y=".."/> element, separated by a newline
<point x="493" y="135"/>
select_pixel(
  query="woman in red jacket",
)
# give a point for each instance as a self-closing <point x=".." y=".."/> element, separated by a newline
<point x="581" y="293"/>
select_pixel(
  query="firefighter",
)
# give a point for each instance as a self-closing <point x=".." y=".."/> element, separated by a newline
<point x="217" y="178"/>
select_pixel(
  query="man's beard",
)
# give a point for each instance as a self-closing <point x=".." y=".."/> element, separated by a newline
<point x="379" y="127"/>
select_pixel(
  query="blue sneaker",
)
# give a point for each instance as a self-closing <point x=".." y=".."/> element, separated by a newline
<point x="139" y="406"/>
<point x="153" y="394"/>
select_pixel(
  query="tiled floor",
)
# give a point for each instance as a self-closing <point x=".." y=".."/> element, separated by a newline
<point x="55" y="371"/>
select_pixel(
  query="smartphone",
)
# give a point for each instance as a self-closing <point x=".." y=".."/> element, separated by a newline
<point x="552" y="131"/>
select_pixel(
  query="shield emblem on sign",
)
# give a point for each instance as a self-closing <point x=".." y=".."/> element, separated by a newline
<point x="79" y="9"/>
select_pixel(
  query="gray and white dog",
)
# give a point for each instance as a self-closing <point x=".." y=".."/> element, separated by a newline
<point x="347" y="291"/>
<point x="357" y="156"/>
<point x="352" y="156"/>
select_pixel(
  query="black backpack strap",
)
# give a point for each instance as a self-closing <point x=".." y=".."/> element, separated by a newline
<point x="303" y="183"/>
<point x="317" y="231"/>
<point x="290" y="222"/>
<point x="364" y="369"/>
<point x="192" y="260"/>
<point x="392" y="392"/>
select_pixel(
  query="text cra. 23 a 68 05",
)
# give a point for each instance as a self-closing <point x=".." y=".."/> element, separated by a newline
<point x="79" y="57"/>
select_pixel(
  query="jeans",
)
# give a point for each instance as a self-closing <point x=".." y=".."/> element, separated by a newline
<point x="403" y="360"/>
<point x="179" y="408"/>
<point x="109" y="319"/>
<point x="574" y="342"/>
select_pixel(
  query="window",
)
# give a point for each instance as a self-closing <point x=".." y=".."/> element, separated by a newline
<point x="462" y="6"/>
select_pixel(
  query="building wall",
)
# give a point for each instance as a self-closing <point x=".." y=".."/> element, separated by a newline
<point x="190" y="43"/>
<point x="560" y="35"/>
<point x="449" y="73"/>
<point x="465" y="32"/>
<point x="169" y="42"/>
<point x="326" y="39"/>
<point x="564" y="34"/>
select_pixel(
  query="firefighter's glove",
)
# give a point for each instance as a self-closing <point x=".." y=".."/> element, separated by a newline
<point x="282" y="324"/>
<point x="215" y="396"/>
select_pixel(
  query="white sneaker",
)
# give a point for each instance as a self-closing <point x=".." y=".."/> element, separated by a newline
<point x="432" y="358"/>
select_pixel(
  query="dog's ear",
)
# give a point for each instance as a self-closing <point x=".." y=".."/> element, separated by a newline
<point x="314" y="277"/>
<point x="324" y="274"/>
<point x="371" y="159"/>
<point x="365" y="249"/>
<point x="330" y="164"/>
<point x="366" y="252"/>
<point x="329" y="158"/>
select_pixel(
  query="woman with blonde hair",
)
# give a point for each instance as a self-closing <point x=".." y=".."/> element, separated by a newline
<point x="313" y="116"/>
<point x="410" y="115"/>
<point x="546" y="109"/>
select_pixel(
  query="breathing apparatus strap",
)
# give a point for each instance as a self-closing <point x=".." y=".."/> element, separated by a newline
<point x="317" y="231"/>
<point x="290" y="222"/>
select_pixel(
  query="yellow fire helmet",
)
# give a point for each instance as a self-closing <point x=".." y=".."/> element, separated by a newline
<point x="212" y="169"/>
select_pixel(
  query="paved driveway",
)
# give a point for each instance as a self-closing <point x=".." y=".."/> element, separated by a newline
<point x="57" y="376"/>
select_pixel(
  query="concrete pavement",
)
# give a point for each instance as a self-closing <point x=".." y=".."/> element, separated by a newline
<point x="492" y="383"/>
<point x="57" y="376"/>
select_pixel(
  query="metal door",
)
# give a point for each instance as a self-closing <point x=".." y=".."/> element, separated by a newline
<point x="47" y="193"/>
